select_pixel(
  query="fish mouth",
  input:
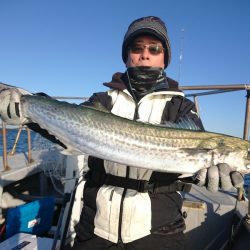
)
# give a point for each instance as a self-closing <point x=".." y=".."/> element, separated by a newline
<point x="4" y="87"/>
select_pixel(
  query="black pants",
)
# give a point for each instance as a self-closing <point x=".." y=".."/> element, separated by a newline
<point x="150" y="242"/>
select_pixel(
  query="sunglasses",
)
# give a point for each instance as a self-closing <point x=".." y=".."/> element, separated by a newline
<point x="154" y="49"/>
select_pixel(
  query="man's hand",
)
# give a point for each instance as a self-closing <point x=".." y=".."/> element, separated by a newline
<point x="10" y="111"/>
<point x="221" y="176"/>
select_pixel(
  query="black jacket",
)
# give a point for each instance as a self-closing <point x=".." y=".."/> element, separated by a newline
<point x="166" y="216"/>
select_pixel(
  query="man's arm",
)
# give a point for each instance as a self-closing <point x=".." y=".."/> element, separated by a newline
<point x="181" y="108"/>
<point x="101" y="101"/>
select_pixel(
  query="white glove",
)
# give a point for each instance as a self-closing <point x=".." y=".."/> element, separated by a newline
<point x="221" y="176"/>
<point x="10" y="111"/>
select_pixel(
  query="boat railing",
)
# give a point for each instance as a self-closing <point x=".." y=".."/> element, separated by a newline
<point x="205" y="90"/>
<point x="13" y="150"/>
<point x="218" y="89"/>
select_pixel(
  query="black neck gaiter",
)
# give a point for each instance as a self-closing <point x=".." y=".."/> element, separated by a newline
<point x="143" y="80"/>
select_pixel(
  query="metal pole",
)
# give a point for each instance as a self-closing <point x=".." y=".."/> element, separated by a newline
<point x="212" y="92"/>
<point x="247" y="116"/>
<point x="212" y="87"/>
<point x="29" y="145"/>
<point x="181" y="55"/>
<point x="5" y="160"/>
<point x="13" y="151"/>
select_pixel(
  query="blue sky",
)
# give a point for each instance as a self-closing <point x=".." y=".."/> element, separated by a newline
<point x="64" y="47"/>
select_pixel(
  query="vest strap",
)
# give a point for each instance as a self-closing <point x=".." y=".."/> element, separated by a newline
<point x="146" y="186"/>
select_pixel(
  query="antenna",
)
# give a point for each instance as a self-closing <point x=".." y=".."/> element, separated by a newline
<point x="181" y="55"/>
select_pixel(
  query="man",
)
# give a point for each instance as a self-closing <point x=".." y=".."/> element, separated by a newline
<point x="127" y="207"/>
<point x="116" y="212"/>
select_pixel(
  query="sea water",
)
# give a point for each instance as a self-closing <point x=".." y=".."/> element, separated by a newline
<point x="38" y="142"/>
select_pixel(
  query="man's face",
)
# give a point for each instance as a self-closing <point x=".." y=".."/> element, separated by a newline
<point x="144" y="57"/>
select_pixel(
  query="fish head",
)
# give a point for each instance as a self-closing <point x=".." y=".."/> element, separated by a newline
<point x="4" y="86"/>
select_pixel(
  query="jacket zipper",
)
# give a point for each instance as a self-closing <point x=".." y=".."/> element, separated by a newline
<point x="121" y="211"/>
<point x="136" y="116"/>
<point x="120" y="243"/>
<point x="129" y="87"/>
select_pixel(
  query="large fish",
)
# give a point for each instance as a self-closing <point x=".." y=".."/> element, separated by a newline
<point x="104" y="135"/>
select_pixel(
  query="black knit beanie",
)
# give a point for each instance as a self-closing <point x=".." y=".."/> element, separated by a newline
<point x="150" y="25"/>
